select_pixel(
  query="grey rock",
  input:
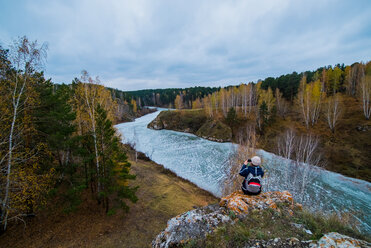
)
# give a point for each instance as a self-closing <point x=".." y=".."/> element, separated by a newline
<point x="337" y="240"/>
<point x="190" y="225"/>
<point x="364" y="128"/>
<point x="302" y="227"/>
<point x="277" y="243"/>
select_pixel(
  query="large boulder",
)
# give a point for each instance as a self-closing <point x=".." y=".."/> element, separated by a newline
<point x="190" y="225"/>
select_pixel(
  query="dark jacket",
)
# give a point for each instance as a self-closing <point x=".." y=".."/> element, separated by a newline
<point x="253" y="171"/>
<point x="245" y="171"/>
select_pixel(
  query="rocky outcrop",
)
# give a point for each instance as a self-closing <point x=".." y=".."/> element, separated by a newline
<point x="196" y="224"/>
<point x="157" y="124"/>
<point x="190" y="225"/>
<point x="242" y="204"/>
<point x="199" y="222"/>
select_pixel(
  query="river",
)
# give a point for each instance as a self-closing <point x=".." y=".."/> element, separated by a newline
<point x="202" y="162"/>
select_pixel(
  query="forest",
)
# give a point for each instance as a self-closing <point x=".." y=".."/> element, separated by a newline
<point x="56" y="139"/>
<point x="331" y="105"/>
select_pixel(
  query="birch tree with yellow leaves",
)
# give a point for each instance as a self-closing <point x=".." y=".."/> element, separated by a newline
<point x="21" y="185"/>
<point x="178" y="103"/>
<point x="196" y="104"/>
<point x="282" y="104"/>
<point x="134" y="104"/>
<point x="267" y="97"/>
<point x="208" y="106"/>
<point x="333" y="111"/>
<point x="223" y="102"/>
<point x="365" y="93"/>
<point x="89" y="93"/>
<point x="310" y="99"/>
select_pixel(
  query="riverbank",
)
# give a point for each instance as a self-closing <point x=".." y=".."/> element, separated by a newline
<point x="346" y="151"/>
<point x="162" y="195"/>
<point x="192" y="121"/>
<point x="129" y="116"/>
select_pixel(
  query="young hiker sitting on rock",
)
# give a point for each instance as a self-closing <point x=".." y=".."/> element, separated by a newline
<point x="253" y="175"/>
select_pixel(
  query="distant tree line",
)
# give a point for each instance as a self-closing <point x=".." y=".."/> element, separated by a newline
<point x="338" y="78"/>
<point x="162" y="97"/>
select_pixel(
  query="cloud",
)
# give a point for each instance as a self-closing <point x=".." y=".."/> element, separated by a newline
<point x="156" y="44"/>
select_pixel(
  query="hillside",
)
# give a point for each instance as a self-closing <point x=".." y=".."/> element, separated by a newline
<point x="347" y="151"/>
<point x="161" y="194"/>
<point x="193" y="121"/>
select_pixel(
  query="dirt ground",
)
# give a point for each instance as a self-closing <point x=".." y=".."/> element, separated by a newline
<point x="161" y="195"/>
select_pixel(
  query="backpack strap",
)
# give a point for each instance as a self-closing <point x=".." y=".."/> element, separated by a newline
<point x="256" y="175"/>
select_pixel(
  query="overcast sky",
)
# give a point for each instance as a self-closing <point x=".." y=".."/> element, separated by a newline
<point x="142" y="44"/>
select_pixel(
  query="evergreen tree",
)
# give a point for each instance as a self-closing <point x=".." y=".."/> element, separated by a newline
<point x="115" y="169"/>
<point x="54" y="118"/>
<point x="231" y="118"/>
<point x="264" y="113"/>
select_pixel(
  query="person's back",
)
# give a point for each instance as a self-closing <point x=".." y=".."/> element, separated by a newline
<point x="253" y="174"/>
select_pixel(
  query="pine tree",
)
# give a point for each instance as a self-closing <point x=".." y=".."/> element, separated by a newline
<point x="115" y="168"/>
<point x="231" y="118"/>
<point x="54" y="119"/>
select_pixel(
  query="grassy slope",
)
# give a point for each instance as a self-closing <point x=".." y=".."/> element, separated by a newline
<point x="161" y="195"/>
<point x="178" y="120"/>
<point x="197" y="122"/>
<point x="347" y="151"/>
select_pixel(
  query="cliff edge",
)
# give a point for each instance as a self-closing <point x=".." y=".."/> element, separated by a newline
<point x="249" y="221"/>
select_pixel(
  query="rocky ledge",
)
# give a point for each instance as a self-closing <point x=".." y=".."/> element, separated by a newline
<point x="191" y="225"/>
<point x="240" y="203"/>
<point x="197" y="223"/>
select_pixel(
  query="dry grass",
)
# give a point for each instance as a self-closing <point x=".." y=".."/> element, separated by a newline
<point x="161" y="195"/>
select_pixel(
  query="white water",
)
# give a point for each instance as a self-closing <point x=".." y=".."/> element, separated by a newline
<point x="202" y="161"/>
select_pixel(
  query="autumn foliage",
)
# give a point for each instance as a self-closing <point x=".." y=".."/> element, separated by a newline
<point x="55" y="135"/>
<point x="331" y="103"/>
